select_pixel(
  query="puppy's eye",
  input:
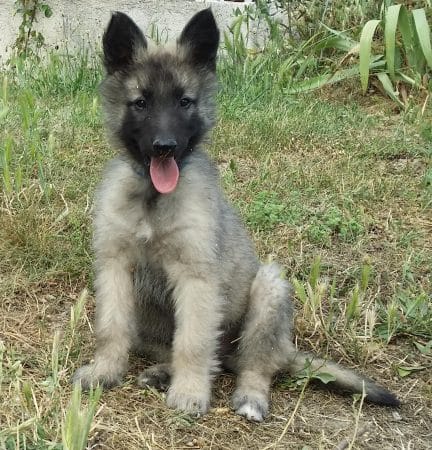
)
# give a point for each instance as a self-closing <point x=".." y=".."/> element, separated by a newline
<point x="185" y="102"/>
<point x="140" y="103"/>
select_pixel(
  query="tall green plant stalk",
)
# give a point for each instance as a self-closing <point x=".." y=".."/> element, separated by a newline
<point x="27" y="35"/>
<point x="78" y="419"/>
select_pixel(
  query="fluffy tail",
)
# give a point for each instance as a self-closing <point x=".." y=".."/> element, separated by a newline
<point x="345" y="379"/>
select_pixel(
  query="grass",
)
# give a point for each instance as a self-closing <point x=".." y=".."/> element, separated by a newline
<point x="335" y="186"/>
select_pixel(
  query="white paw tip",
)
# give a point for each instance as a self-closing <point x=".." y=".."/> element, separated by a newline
<point x="247" y="410"/>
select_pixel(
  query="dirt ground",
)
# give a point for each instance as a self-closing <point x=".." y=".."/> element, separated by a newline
<point x="129" y="417"/>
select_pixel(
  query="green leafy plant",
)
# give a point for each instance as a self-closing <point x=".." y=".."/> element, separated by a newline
<point x="317" y="45"/>
<point x="304" y="17"/>
<point x="305" y="376"/>
<point x="284" y="62"/>
<point x="302" y="46"/>
<point x="29" y="40"/>
<point x="404" y="51"/>
<point x="266" y="211"/>
<point x="407" y="313"/>
<point x="334" y="222"/>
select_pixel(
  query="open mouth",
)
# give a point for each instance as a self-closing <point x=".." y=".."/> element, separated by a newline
<point x="164" y="173"/>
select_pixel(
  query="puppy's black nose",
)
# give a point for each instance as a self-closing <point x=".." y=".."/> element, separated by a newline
<point x="164" y="146"/>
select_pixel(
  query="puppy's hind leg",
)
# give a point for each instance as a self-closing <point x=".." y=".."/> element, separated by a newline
<point x="157" y="376"/>
<point x="265" y="342"/>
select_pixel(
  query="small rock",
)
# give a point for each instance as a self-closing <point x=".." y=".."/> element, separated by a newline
<point x="396" y="416"/>
<point x="221" y="411"/>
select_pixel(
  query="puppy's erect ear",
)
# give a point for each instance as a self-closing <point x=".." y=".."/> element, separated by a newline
<point x="122" y="41"/>
<point x="200" y="39"/>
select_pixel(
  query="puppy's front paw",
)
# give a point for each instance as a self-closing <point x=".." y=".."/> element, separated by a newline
<point x="91" y="375"/>
<point x="191" y="402"/>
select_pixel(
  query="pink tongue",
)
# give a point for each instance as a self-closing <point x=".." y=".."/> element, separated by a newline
<point x="164" y="174"/>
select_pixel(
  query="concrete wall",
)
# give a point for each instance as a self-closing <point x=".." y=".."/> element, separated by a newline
<point x="78" y="23"/>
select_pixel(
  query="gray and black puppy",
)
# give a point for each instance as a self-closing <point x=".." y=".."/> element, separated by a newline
<point x="177" y="277"/>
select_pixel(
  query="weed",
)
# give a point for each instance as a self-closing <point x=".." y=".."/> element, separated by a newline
<point x="77" y="422"/>
<point x="407" y="313"/>
<point x="333" y="223"/>
<point x="267" y="210"/>
<point x="304" y="16"/>
<point x="318" y="45"/>
<point x="29" y="41"/>
<point x="409" y="62"/>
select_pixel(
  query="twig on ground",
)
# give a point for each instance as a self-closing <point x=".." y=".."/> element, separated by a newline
<point x="290" y="420"/>
<point x="357" y="432"/>
<point x="344" y="443"/>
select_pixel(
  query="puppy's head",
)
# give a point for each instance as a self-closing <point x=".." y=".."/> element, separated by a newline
<point x="159" y="103"/>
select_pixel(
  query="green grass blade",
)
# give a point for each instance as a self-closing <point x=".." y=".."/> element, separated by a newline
<point x="307" y="85"/>
<point x="388" y="87"/>
<point x="353" y="306"/>
<point x="5" y="164"/>
<point x="315" y="272"/>
<point x="391" y="21"/>
<point x="365" y="277"/>
<point x="4" y="91"/>
<point x="300" y="291"/>
<point x="78" y="419"/>
<point x="377" y="61"/>
<point x="409" y="80"/>
<point x="365" y="51"/>
<point x="3" y="113"/>
<point x="327" y="79"/>
<point x="335" y="42"/>
<point x="423" y="33"/>
<point x="338" y="40"/>
<point x="407" y="32"/>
